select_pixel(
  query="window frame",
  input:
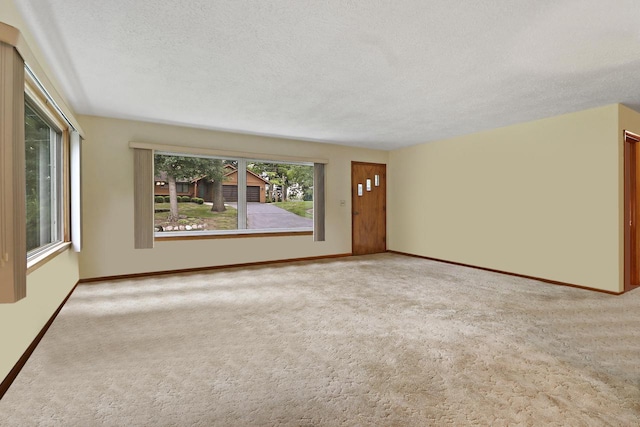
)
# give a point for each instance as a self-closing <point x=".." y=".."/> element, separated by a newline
<point x="143" y="183"/>
<point x="37" y="100"/>
<point x="180" y="187"/>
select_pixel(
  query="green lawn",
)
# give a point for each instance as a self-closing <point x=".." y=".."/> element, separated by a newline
<point x="193" y="213"/>
<point x="300" y="208"/>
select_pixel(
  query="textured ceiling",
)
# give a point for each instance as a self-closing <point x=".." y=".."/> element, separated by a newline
<point x="381" y="74"/>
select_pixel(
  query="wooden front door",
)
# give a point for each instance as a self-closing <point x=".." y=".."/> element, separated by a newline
<point x="631" y="211"/>
<point x="369" y="207"/>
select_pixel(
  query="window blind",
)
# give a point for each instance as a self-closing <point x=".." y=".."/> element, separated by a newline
<point x="13" y="261"/>
<point x="318" y="202"/>
<point x="143" y="198"/>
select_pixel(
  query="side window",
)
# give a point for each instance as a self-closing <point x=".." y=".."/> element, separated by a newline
<point x="40" y="174"/>
<point x="184" y="187"/>
<point x="44" y="178"/>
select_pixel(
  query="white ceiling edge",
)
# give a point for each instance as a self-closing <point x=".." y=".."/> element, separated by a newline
<point x="362" y="73"/>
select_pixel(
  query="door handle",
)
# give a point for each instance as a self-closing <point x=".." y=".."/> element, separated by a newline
<point x="356" y="213"/>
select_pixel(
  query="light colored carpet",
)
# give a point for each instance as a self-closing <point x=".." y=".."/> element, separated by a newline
<point x="373" y="340"/>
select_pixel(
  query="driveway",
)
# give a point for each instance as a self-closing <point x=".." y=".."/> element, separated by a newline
<point x="266" y="215"/>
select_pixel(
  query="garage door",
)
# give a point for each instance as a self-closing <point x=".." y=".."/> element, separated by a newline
<point x="230" y="193"/>
<point x="253" y="194"/>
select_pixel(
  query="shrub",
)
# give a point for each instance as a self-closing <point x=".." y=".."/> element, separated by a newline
<point x="159" y="199"/>
<point x="185" y="199"/>
<point x="167" y="199"/>
<point x="197" y="200"/>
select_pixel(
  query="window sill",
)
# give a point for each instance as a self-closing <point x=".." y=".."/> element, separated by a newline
<point x="42" y="258"/>
<point x="171" y="236"/>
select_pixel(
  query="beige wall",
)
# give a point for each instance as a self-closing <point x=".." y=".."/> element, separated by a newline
<point x="47" y="287"/>
<point x="628" y="120"/>
<point x="108" y="200"/>
<point x="539" y="199"/>
<point x="21" y="322"/>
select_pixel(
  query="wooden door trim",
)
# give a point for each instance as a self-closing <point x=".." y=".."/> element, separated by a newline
<point x="630" y="202"/>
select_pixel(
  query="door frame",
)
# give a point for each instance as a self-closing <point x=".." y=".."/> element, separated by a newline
<point x="631" y="235"/>
<point x="353" y="162"/>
